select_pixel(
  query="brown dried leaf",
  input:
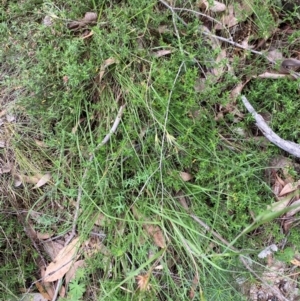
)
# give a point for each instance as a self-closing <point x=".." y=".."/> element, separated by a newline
<point x="228" y="20"/>
<point x="182" y="200"/>
<point x="31" y="179"/>
<point x="93" y="245"/>
<point x="292" y="212"/>
<point x="194" y="286"/>
<point x="105" y="64"/>
<point x="75" y="25"/>
<point x="287" y="224"/>
<point x="62" y="291"/>
<point x="90" y="17"/>
<point x="48" y="21"/>
<point x="278" y="185"/>
<point x="5" y="168"/>
<point x="280" y="181"/>
<point x="156" y="233"/>
<point x="17" y="181"/>
<point x="216" y="7"/>
<point x="43" y="291"/>
<point x="52" y="248"/>
<point x="295" y="262"/>
<point x="218" y="71"/>
<point x="236" y="91"/>
<point x="162" y="52"/>
<point x="28" y="179"/>
<point x="74" y="129"/>
<point x="30" y="231"/>
<point x="43" y="235"/>
<point x="282" y="203"/>
<point x="48" y="287"/>
<point x="289" y="187"/>
<point x="143" y="282"/>
<point x="101" y="220"/>
<point x="185" y="176"/>
<point x="42" y="181"/>
<point x="72" y="271"/>
<point x="62" y="262"/>
<point x="2" y="113"/>
<point x="163" y="29"/>
<point x="87" y="34"/>
<point x="40" y="143"/>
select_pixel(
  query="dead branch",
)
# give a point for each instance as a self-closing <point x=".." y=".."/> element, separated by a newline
<point x="288" y="146"/>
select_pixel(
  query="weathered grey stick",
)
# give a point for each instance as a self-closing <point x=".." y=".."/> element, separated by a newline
<point x="289" y="146"/>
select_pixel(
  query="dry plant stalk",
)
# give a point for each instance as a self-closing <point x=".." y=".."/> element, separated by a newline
<point x="288" y="146"/>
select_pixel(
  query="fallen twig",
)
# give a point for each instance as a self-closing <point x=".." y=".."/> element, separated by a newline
<point x="235" y="44"/>
<point x="203" y="15"/>
<point x="288" y="146"/>
<point x="91" y="158"/>
<point x="112" y="130"/>
<point x="79" y="194"/>
<point x="214" y="233"/>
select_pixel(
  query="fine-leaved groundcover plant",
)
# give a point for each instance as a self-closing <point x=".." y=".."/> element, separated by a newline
<point x="145" y="150"/>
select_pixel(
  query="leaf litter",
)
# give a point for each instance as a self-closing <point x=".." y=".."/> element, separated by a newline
<point x="62" y="262"/>
<point x="153" y="231"/>
<point x="72" y="271"/>
<point x="42" y="181"/>
<point x="108" y="62"/>
<point x="89" y="18"/>
<point x="213" y="6"/>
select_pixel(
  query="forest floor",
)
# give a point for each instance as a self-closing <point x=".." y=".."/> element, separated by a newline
<point x="131" y="168"/>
